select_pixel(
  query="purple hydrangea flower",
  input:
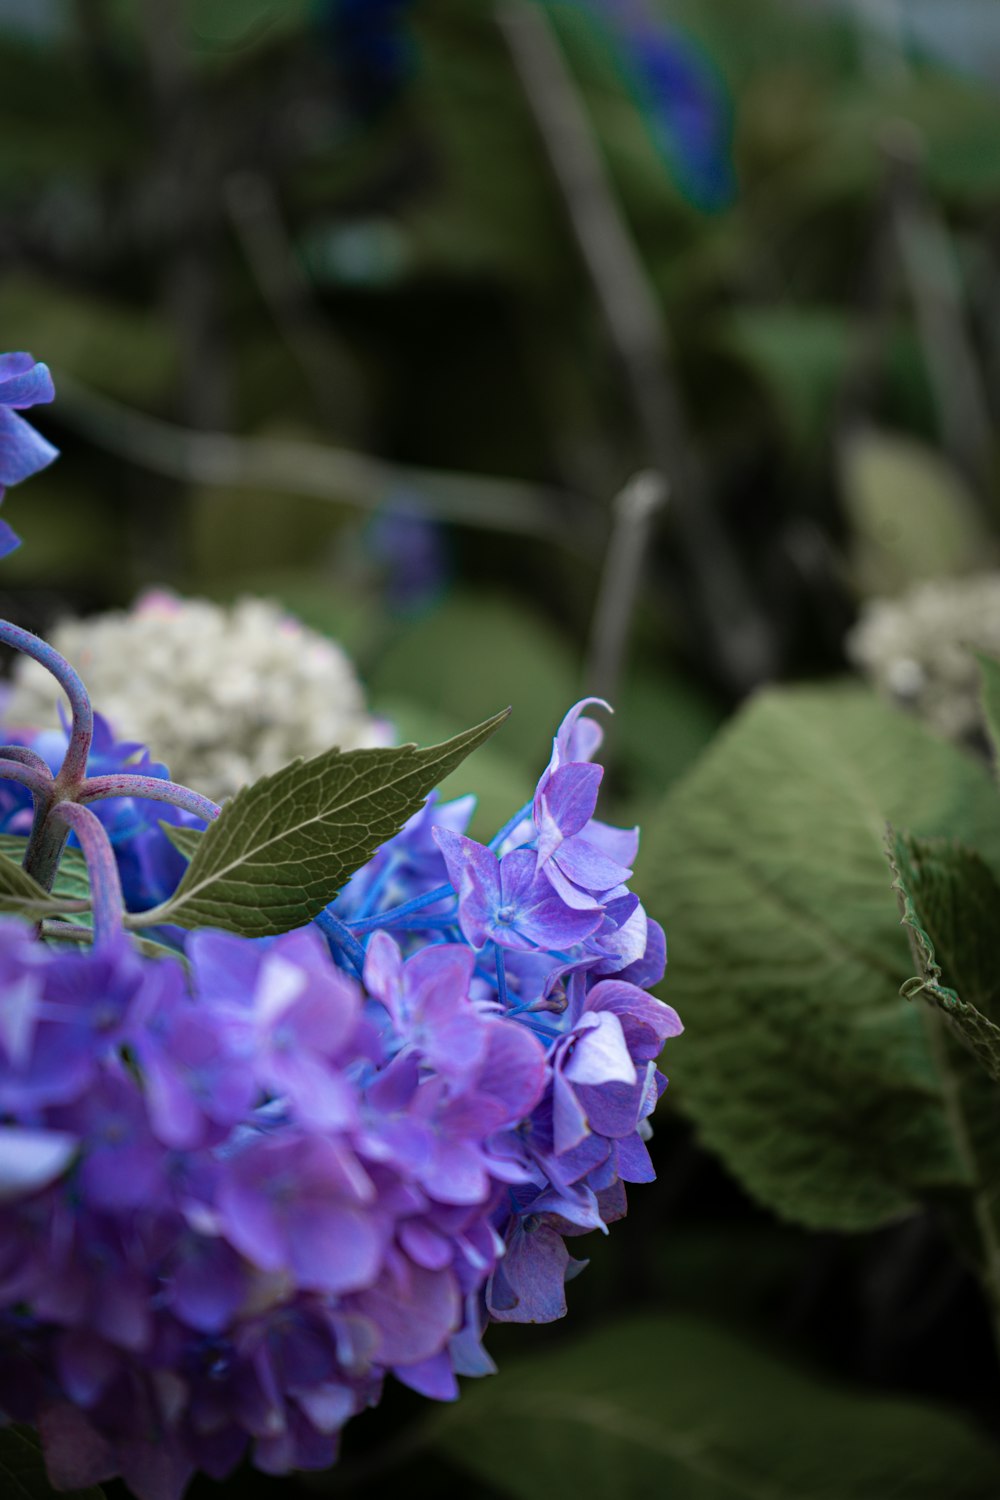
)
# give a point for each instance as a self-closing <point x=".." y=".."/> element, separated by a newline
<point x="23" y="451"/>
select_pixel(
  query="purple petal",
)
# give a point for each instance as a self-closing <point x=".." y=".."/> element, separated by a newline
<point x="334" y="1248"/>
<point x="432" y="1377"/>
<point x="600" y="1054"/>
<point x="474" y="872"/>
<point x="528" y="1286"/>
<point x="9" y="539"/>
<point x="586" y="866"/>
<point x="577" y="738"/>
<point x="23" y="451"/>
<point x="24" y="386"/>
<point x="564" y="804"/>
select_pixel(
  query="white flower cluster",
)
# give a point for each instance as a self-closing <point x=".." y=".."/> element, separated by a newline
<point x="918" y="649"/>
<point x="221" y="695"/>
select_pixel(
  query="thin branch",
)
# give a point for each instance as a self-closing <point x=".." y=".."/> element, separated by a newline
<point x="296" y="467"/>
<point x="634" y="321"/>
<point x="106" y="897"/>
<point x="152" y="788"/>
<point x="634" y="509"/>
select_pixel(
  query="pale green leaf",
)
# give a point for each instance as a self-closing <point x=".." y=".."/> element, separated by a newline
<point x="912" y="515"/>
<point x="21" y="894"/>
<point x="675" y="1407"/>
<point x="950" y="904"/>
<point x="22" y="1470"/>
<point x="282" y="847"/>
<point x="801" y="1064"/>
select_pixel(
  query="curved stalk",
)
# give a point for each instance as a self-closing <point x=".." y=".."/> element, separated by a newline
<point x="125" y="784"/>
<point x="105" y="885"/>
<point x="74" y="764"/>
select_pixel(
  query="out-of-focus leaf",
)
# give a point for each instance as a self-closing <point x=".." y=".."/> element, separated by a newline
<point x="912" y="516"/>
<point x="990" y="673"/>
<point x="661" y="725"/>
<point x="120" y="350"/>
<point x="22" y="1470"/>
<point x="950" y="902"/>
<point x="476" y="652"/>
<point x="800" y="354"/>
<point x="801" y="1064"/>
<point x="676" y="1407"/>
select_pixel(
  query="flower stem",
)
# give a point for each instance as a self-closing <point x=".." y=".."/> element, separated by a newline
<point x="74" y="764"/>
<point x="124" y="784"/>
<point x="102" y="867"/>
<point x="395" y="914"/>
<point x="342" y="940"/>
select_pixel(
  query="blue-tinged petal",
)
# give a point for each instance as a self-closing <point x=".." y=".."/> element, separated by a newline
<point x="31" y="1159"/>
<point x="23" y="451"/>
<point x="9" y="539"/>
<point x="26" y="387"/>
<point x="15" y="364"/>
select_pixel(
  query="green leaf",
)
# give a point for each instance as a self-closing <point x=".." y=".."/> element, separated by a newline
<point x="802" y="1065"/>
<point x="676" y="1407"/>
<point x="21" y="893"/>
<point x="912" y="515"/>
<point x="184" y="840"/>
<point x="452" y="663"/>
<point x="989" y="670"/>
<point x="282" y="847"/>
<point x="950" y="903"/>
<point x="22" y="1470"/>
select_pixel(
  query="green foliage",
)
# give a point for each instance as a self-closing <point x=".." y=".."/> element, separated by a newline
<point x="990" y="673"/>
<point x="20" y="892"/>
<point x="22" y="1470"/>
<point x="801" y="1064"/>
<point x="282" y="847"/>
<point x="950" y="902"/>
<point x="474" y="652"/>
<point x="912" y="515"/>
<point x="675" y="1407"/>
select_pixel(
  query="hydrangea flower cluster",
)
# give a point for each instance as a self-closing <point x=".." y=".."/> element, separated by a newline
<point x="23" y="451"/>
<point x="242" y="1185"/>
<point x="227" y="693"/>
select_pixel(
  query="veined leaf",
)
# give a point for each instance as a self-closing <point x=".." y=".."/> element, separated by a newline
<point x="803" y="1067"/>
<point x="21" y="893"/>
<point x="677" y="1407"/>
<point x="22" y="1470"/>
<point x="185" y="840"/>
<point x="950" y="903"/>
<point x="281" y="848"/>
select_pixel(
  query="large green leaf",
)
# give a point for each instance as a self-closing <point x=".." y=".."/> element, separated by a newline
<point x="22" y="1470"/>
<point x="801" y="1064"/>
<point x="950" y="902"/>
<point x="283" y="846"/>
<point x="673" y="1407"/>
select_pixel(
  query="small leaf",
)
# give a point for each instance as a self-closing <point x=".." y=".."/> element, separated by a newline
<point x="990" y="672"/>
<point x="950" y="903"/>
<point x="22" y="1470"/>
<point x="677" y="1407"/>
<point x="282" y="848"/>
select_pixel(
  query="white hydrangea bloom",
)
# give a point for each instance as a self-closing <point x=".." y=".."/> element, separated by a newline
<point x="222" y="695"/>
<point x="918" y="649"/>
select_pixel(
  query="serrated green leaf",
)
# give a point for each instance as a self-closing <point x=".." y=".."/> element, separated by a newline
<point x="184" y="840"/>
<point x="801" y="1064"/>
<point x="20" y="893"/>
<point x="282" y="847"/>
<point x="677" y="1407"/>
<point x="950" y="903"/>
<point x="22" y="1470"/>
<point x="990" y="673"/>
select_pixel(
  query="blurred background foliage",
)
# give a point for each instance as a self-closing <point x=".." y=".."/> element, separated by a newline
<point x="313" y="280"/>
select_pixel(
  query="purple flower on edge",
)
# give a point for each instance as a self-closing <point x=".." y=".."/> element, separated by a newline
<point x="23" y="451"/>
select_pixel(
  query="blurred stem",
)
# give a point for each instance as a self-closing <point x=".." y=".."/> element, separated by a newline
<point x="340" y="475"/>
<point x="929" y="263"/>
<point x="634" y="509"/>
<point x="738" y="630"/>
